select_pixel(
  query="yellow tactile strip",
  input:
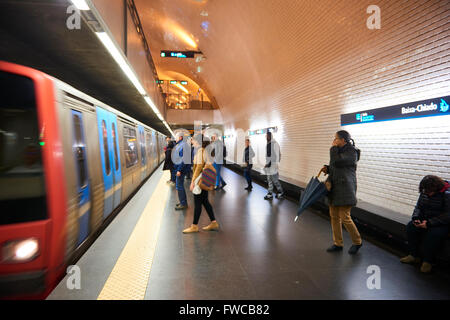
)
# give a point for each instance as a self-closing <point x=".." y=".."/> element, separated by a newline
<point x="129" y="278"/>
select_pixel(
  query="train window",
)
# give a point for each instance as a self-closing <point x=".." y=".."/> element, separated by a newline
<point x="105" y="148"/>
<point x="143" y="155"/>
<point x="79" y="149"/>
<point x="130" y="146"/>
<point x="149" y="145"/>
<point x="22" y="182"/>
<point x="116" y="156"/>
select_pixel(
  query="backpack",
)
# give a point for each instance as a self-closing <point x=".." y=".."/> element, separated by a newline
<point x="208" y="178"/>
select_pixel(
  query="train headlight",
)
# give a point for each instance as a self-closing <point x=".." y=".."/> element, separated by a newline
<point x="20" y="250"/>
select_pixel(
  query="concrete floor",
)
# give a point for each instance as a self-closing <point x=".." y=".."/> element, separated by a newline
<point x="259" y="253"/>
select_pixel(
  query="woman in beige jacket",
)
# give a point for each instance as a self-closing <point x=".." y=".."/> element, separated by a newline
<point x="200" y="159"/>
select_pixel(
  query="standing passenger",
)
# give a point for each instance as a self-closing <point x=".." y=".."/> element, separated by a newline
<point x="201" y="158"/>
<point x="249" y="154"/>
<point x="430" y="219"/>
<point x="273" y="157"/>
<point x="218" y="154"/>
<point x="181" y="168"/>
<point x="342" y="176"/>
<point x="168" y="163"/>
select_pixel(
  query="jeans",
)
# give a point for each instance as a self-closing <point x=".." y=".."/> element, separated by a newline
<point x="219" y="179"/>
<point x="173" y="175"/>
<point x="272" y="179"/>
<point x="189" y="172"/>
<point x="248" y="176"/>
<point x="340" y="215"/>
<point x="180" y="189"/>
<point x="199" y="200"/>
<point x="432" y="238"/>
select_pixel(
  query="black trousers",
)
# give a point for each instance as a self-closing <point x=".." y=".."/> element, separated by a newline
<point x="199" y="201"/>
<point x="432" y="238"/>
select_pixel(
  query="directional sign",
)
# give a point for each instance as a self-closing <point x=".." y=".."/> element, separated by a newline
<point x="417" y="109"/>
<point x="178" y="54"/>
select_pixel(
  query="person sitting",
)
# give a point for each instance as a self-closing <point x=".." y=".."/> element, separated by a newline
<point x="430" y="219"/>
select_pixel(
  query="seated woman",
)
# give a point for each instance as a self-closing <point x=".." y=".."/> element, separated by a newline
<point x="431" y="218"/>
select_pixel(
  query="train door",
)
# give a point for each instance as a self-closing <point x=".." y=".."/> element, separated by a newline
<point x="103" y="120"/>
<point x="143" y="152"/>
<point x="83" y="186"/>
<point x="115" y="155"/>
<point x="155" y="149"/>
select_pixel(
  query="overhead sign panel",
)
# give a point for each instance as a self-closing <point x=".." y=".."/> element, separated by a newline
<point x="418" y="109"/>
<point x="178" y="54"/>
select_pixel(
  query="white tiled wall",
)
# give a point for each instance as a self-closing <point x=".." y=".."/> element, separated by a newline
<point x="407" y="60"/>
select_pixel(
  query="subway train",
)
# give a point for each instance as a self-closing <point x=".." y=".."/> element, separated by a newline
<point x="67" y="161"/>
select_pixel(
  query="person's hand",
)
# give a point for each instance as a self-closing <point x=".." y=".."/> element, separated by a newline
<point x="324" y="170"/>
<point x="192" y="186"/>
<point x="178" y="173"/>
<point x="422" y="225"/>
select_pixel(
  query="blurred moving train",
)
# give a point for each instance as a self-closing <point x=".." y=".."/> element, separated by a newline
<point x="66" y="162"/>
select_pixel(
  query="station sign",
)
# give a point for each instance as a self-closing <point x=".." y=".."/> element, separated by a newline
<point x="178" y="54"/>
<point x="418" y="109"/>
<point x="262" y="131"/>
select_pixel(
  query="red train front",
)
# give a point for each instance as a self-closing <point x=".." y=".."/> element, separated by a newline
<point x="67" y="162"/>
<point x="32" y="196"/>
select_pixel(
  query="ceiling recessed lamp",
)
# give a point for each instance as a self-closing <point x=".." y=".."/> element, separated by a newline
<point x="204" y="13"/>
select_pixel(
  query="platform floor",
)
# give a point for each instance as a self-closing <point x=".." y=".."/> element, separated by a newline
<point x="259" y="253"/>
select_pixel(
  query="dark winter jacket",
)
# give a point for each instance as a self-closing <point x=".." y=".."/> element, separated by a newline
<point x="434" y="209"/>
<point x="168" y="164"/>
<point x="249" y="154"/>
<point x="179" y="162"/>
<point x="342" y="175"/>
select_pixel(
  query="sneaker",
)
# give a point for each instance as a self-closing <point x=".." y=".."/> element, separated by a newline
<point x="181" y="207"/>
<point x="410" y="259"/>
<point x="224" y="184"/>
<point x="268" y="196"/>
<point x="212" y="226"/>
<point x="426" y="267"/>
<point x="193" y="228"/>
<point x="334" y="248"/>
<point x="354" y="248"/>
<point x="279" y="195"/>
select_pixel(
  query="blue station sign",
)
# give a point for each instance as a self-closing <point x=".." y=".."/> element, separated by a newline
<point x="418" y="109"/>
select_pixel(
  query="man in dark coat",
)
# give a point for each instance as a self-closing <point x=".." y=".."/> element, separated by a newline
<point x="430" y="219"/>
<point x="249" y="154"/>
<point x="342" y="196"/>
<point x="168" y="163"/>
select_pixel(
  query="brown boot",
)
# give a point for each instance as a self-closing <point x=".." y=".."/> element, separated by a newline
<point x="426" y="267"/>
<point x="410" y="259"/>
<point x="212" y="226"/>
<point x="193" y="228"/>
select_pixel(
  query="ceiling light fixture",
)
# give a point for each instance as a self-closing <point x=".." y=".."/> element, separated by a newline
<point x="81" y="5"/>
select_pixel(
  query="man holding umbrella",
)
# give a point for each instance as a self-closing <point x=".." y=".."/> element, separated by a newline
<point x="342" y="178"/>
